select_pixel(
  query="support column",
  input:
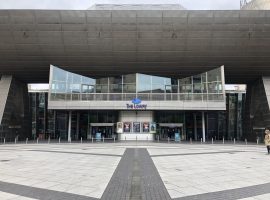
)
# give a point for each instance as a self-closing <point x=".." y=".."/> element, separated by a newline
<point x="195" y="126"/>
<point x="203" y="126"/>
<point x="78" y="125"/>
<point x="69" y="126"/>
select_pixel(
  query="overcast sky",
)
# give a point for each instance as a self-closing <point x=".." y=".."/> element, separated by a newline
<point x="84" y="4"/>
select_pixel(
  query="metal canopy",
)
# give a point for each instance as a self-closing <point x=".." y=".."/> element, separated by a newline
<point x="108" y="43"/>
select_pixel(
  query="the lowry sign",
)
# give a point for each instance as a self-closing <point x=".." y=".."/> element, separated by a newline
<point x="136" y="104"/>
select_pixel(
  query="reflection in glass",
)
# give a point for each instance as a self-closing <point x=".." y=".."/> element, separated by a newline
<point x="144" y="83"/>
<point x="203" y="87"/>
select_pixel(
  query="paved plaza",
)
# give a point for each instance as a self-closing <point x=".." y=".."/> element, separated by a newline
<point x="134" y="171"/>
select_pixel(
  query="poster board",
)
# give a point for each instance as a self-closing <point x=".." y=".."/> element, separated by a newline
<point x="145" y="127"/>
<point x="136" y="127"/>
<point x="119" y="127"/>
<point x="153" y="127"/>
<point x="127" y="127"/>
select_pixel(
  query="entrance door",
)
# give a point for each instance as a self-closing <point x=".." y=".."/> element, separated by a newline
<point x="168" y="130"/>
<point x="106" y="130"/>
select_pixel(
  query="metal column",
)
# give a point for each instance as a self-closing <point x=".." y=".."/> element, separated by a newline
<point x="195" y="126"/>
<point x="78" y="125"/>
<point x="69" y="126"/>
<point x="203" y="126"/>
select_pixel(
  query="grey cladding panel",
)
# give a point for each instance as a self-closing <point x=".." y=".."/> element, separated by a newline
<point x="73" y="17"/>
<point x="181" y="39"/>
<point x="22" y="17"/>
<point x="49" y="27"/>
<point x="74" y="27"/>
<point x="149" y="14"/>
<point x="4" y="17"/>
<point x="98" y="14"/>
<point x="175" y="14"/>
<point x="48" y="17"/>
<point x="124" y="14"/>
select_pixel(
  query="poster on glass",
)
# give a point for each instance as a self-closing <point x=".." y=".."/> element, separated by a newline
<point x="119" y="128"/>
<point x="127" y="126"/>
<point x="153" y="127"/>
<point x="145" y="126"/>
<point x="136" y="127"/>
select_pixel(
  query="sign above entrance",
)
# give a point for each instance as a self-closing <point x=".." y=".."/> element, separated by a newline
<point x="136" y="101"/>
<point x="136" y="104"/>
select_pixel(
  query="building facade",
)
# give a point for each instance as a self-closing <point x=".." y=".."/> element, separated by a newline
<point x="134" y="73"/>
<point x="199" y="108"/>
<point x="218" y="124"/>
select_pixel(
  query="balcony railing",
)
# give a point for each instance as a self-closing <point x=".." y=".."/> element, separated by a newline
<point x="142" y="96"/>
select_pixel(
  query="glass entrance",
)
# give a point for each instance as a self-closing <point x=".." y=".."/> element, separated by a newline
<point x="168" y="131"/>
<point x="106" y="131"/>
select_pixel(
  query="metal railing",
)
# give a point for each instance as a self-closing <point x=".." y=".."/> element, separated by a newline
<point x="142" y="96"/>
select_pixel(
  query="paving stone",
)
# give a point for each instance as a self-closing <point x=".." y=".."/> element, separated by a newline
<point x="138" y="178"/>
<point x="38" y="193"/>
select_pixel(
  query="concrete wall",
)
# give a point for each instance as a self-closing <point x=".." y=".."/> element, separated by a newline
<point x="14" y="109"/>
<point x="5" y="83"/>
<point x="136" y="116"/>
<point x="257" y="113"/>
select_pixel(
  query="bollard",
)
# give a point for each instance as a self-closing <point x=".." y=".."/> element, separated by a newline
<point x="212" y="140"/>
<point x="92" y="139"/>
<point x="190" y="140"/>
<point x="15" y="141"/>
<point x="4" y="140"/>
<point x="223" y="141"/>
<point x="26" y="141"/>
<point x="81" y="140"/>
<point x="59" y="140"/>
<point x="37" y="140"/>
<point x="125" y="138"/>
<point x="168" y="140"/>
<point x="201" y="140"/>
<point x="233" y="140"/>
<point x="103" y="139"/>
<point x="246" y="141"/>
<point x="49" y="140"/>
<point x="114" y="139"/>
<point x="158" y="138"/>
<point x="257" y="141"/>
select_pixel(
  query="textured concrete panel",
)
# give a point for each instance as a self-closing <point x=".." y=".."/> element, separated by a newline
<point x="47" y="17"/>
<point x="5" y="83"/>
<point x="266" y="84"/>
<point x="188" y="35"/>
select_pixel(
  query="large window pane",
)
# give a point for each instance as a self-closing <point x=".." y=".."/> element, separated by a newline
<point x="129" y="78"/>
<point x="59" y="74"/>
<point x="129" y="88"/>
<point x="214" y="75"/>
<point x="115" y="88"/>
<point x="101" y="88"/>
<point x="144" y="83"/>
<point x="158" y="84"/>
